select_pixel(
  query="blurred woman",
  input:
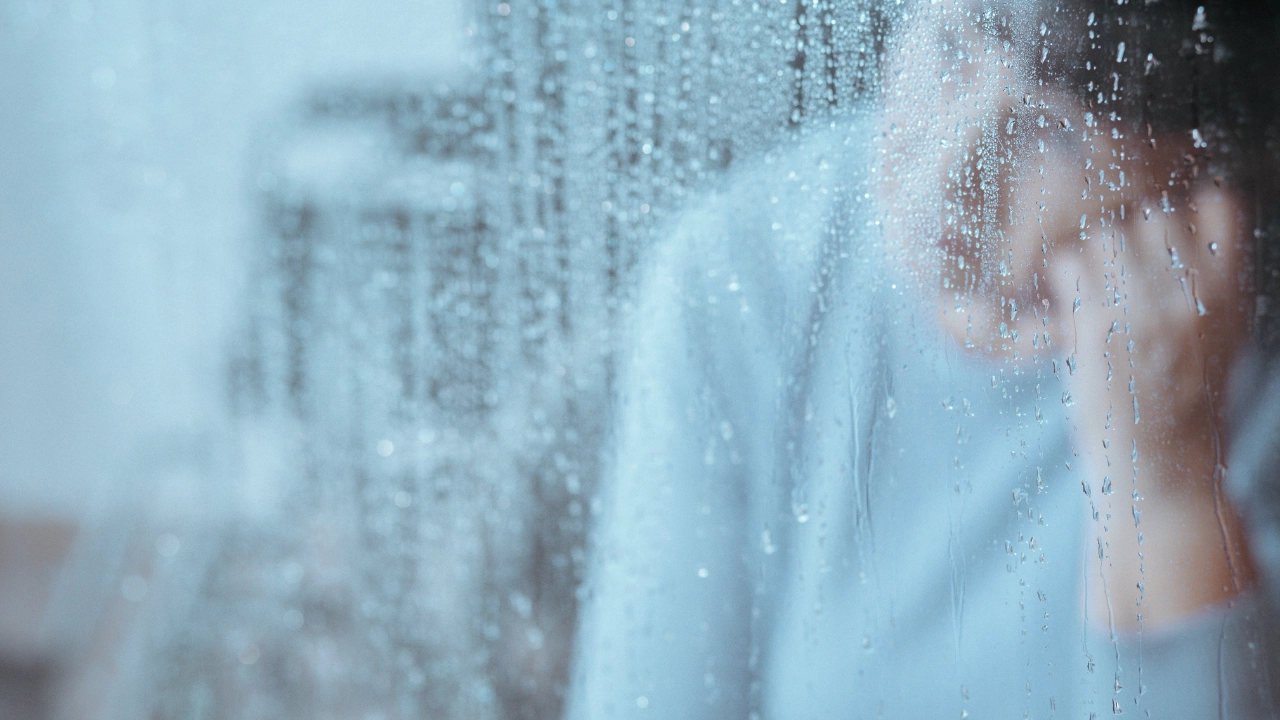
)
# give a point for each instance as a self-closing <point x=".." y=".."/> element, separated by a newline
<point x="924" y="415"/>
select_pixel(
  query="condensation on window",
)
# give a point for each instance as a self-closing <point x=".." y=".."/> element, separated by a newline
<point x="708" y="359"/>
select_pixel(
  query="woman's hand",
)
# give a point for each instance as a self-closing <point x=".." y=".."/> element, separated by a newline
<point x="1127" y="266"/>
<point x="1112" y="260"/>
<point x="1150" y="312"/>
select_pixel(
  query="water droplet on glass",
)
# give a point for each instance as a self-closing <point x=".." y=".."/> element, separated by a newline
<point x="167" y="545"/>
<point x="1200" y="22"/>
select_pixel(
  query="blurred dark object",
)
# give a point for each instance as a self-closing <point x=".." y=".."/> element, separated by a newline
<point x="31" y="554"/>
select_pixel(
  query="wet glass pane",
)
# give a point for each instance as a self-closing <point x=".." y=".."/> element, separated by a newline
<point x="639" y="358"/>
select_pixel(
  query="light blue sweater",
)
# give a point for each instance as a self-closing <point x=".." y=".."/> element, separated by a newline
<point x="821" y="507"/>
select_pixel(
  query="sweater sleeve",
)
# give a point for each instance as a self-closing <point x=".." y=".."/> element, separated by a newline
<point x="1254" y="463"/>
<point x="671" y="614"/>
<point x="666" y="611"/>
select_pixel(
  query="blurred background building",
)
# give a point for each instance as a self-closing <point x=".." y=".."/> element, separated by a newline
<point x="309" y="312"/>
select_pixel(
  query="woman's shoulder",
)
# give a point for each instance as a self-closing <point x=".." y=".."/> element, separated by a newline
<point x="774" y="223"/>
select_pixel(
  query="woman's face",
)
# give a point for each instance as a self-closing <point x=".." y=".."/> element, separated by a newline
<point x="1029" y="212"/>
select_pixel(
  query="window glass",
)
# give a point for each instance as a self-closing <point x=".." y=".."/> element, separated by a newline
<point x="627" y="358"/>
